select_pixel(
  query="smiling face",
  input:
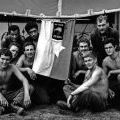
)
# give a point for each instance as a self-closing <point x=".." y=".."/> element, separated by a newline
<point x="4" y="61"/>
<point x="14" y="50"/>
<point x="14" y="35"/>
<point x="83" y="47"/>
<point x="109" y="49"/>
<point x="90" y="62"/>
<point x="102" y="26"/>
<point x="29" y="51"/>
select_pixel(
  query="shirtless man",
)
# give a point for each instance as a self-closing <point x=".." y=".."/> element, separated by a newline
<point x="93" y="93"/>
<point x="10" y="98"/>
<point x="25" y="63"/>
<point x="111" y="66"/>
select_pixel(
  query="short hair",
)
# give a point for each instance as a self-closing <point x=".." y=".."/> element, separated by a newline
<point x="29" y="43"/>
<point x="110" y="40"/>
<point x="101" y="18"/>
<point x="6" y="52"/>
<point x="15" y="44"/>
<point x="91" y="54"/>
<point x="84" y="39"/>
<point x="13" y="28"/>
<point x="30" y="25"/>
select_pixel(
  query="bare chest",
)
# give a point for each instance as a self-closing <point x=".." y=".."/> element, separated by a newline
<point x="4" y="77"/>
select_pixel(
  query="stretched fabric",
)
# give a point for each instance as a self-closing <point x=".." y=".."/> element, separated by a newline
<point x="53" y="56"/>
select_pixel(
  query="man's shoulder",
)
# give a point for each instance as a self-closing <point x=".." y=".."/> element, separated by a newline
<point x="11" y="67"/>
<point x="107" y="58"/>
<point x="112" y="30"/>
<point x="107" y="61"/>
<point x="98" y="69"/>
<point x="22" y="57"/>
<point x="94" y="32"/>
<point x="75" y="53"/>
<point x="28" y="39"/>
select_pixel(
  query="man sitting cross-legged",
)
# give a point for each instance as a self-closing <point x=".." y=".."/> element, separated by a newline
<point x="92" y="94"/>
<point x="111" y="65"/>
<point x="10" y="98"/>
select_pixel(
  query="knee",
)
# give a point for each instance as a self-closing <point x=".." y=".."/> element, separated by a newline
<point x="118" y="77"/>
<point x="31" y="89"/>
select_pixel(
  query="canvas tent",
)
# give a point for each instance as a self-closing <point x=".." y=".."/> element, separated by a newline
<point x="66" y="10"/>
<point x="51" y="7"/>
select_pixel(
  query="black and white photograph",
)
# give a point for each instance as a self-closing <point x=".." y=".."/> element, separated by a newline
<point x="59" y="59"/>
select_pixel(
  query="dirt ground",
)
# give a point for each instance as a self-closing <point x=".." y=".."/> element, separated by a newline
<point x="52" y="112"/>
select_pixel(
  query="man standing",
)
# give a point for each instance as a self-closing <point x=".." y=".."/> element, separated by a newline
<point x="102" y="32"/>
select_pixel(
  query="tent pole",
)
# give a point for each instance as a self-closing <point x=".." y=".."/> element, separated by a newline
<point x="59" y="12"/>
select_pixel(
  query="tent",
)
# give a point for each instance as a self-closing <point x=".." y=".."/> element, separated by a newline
<point x="51" y="7"/>
<point x="67" y="11"/>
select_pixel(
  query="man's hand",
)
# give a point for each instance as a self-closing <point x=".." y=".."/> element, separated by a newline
<point x="78" y="73"/>
<point x="69" y="101"/>
<point x="27" y="101"/>
<point x="111" y="93"/>
<point x="31" y="73"/>
<point x="109" y="74"/>
<point x="3" y="101"/>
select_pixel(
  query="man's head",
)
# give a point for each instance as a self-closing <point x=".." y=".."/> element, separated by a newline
<point x="102" y="23"/>
<point x="29" y="49"/>
<point x="14" y="49"/>
<point x="110" y="46"/>
<point x="5" y="58"/>
<point x="84" y="45"/>
<point x="14" y="32"/>
<point x="32" y="29"/>
<point x="90" y="60"/>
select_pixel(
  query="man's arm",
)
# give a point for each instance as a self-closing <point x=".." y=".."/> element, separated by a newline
<point x="25" y="69"/>
<point x="79" y="72"/>
<point x="114" y="71"/>
<point x="25" y="84"/>
<point x="94" y="78"/>
<point x="20" y="61"/>
<point x="104" y="66"/>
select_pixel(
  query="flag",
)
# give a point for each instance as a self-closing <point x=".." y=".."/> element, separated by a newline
<point x="53" y="56"/>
